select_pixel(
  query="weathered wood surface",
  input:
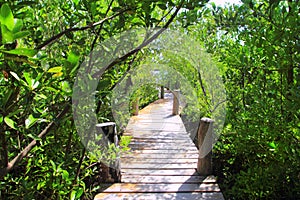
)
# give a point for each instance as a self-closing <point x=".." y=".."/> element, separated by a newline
<point x="162" y="187"/>
<point x="161" y="196"/>
<point x="205" y="132"/>
<point x="168" y="179"/>
<point x="162" y="162"/>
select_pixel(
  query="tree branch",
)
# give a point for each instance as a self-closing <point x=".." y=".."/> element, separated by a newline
<point x="27" y="149"/>
<point x="145" y="43"/>
<point x="79" y="164"/>
<point x="165" y="16"/>
<point x="219" y="103"/>
<point x="135" y="54"/>
<point x="97" y="36"/>
<point x="92" y="25"/>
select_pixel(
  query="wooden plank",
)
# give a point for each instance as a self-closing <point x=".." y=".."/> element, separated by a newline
<point x="165" y="172"/>
<point x="169" y="139"/>
<point x="161" y="196"/>
<point x="150" y="142"/>
<point x="157" y="155"/>
<point x="154" y="121"/>
<point x="159" y="139"/>
<point x="161" y="188"/>
<point x="158" y="133"/>
<point x="167" y="179"/>
<point x="161" y="147"/>
<point x="157" y="129"/>
<point x="163" y="151"/>
<point x="159" y="160"/>
<point x="158" y="166"/>
<point x="162" y="140"/>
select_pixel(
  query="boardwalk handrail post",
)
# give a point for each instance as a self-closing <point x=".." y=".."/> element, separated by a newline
<point x="110" y="174"/>
<point x="176" y="101"/>
<point x="135" y="107"/>
<point x="162" y="92"/>
<point x="204" y="166"/>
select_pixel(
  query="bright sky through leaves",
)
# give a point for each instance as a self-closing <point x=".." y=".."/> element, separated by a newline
<point x="224" y="2"/>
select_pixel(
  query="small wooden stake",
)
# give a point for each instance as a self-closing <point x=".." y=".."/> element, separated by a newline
<point x="162" y="92"/>
<point x="135" y="107"/>
<point x="204" y="166"/>
<point x="175" y="102"/>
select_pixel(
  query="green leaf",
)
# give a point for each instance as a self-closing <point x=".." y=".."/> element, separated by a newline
<point x="22" y="52"/>
<point x="272" y="145"/>
<point x="213" y="5"/>
<point x="55" y="70"/>
<point x="41" y="185"/>
<point x="76" y="2"/>
<point x="27" y="78"/>
<point x="65" y="174"/>
<point x="53" y="165"/>
<point x="21" y="34"/>
<point x="7" y="35"/>
<point x="15" y="75"/>
<point x="30" y="121"/>
<point x="73" y="195"/>
<point x="1" y="118"/>
<point x="34" y="84"/>
<point x="59" y="74"/>
<point x="42" y="96"/>
<point x="65" y="87"/>
<point x="6" y="17"/>
<point x="7" y="96"/>
<point x="18" y="26"/>
<point x="31" y="83"/>
<point x="73" y="58"/>
<point x="79" y="193"/>
<point x="34" y="137"/>
<point x="10" y="123"/>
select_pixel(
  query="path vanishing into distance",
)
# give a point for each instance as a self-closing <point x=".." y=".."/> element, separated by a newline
<point x="162" y="161"/>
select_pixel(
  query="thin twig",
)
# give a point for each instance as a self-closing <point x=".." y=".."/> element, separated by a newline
<point x="218" y="104"/>
<point x="27" y="149"/>
<point x="97" y="36"/>
<point x="92" y="25"/>
<point x="79" y="164"/>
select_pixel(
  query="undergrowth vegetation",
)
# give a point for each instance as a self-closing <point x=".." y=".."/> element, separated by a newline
<point x="44" y="43"/>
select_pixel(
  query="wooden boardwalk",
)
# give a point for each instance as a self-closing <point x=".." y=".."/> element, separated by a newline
<point x="162" y="161"/>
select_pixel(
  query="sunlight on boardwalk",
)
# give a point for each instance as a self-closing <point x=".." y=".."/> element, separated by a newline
<point x="162" y="161"/>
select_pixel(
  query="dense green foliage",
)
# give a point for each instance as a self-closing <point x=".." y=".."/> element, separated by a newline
<point x="258" y="154"/>
<point x="147" y="93"/>
<point x="43" y="44"/>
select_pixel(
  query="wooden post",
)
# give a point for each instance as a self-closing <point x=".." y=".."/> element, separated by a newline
<point x="162" y="92"/>
<point x="110" y="130"/>
<point x="109" y="174"/>
<point x="204" y="166"/>
<point x="135" y="107"/>
<point x="175" y="102"/>
<point x="104" y="173"/>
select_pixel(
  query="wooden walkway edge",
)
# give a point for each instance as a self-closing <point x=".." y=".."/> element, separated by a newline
<point x="162" y="161"/>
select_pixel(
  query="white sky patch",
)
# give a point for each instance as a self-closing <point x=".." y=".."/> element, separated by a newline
<point x="224" y="2"/>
